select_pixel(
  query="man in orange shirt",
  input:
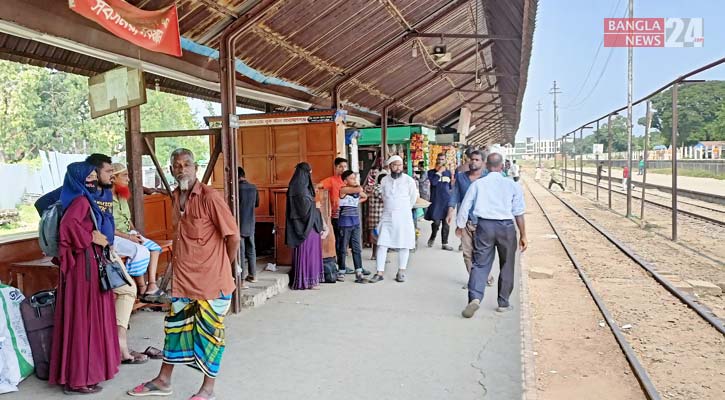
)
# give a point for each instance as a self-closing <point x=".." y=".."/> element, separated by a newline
<point x="207" y="239"/>
<point x="333" y="184"/>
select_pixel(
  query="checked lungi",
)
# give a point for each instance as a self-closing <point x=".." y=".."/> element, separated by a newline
<point x="195" y="333"/>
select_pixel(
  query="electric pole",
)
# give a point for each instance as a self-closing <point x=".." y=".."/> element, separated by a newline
<point x="555" y="90"/>
<point x="538" y="144"/>
<point x="630" y="51"/>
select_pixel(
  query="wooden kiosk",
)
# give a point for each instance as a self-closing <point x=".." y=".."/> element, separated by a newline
<point x="269" y="146"/>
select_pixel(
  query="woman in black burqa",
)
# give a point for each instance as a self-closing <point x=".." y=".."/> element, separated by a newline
<point x="304" y="230"/>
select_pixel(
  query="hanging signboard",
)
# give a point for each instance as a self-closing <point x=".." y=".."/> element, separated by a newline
<point x="215" y="122"/>
<point x="153" y="30"/>
<point x="598" y="148"/>
<point x="115" y="90"/>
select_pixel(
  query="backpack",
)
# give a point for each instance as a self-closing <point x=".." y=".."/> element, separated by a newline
<point x="49" y="229"/>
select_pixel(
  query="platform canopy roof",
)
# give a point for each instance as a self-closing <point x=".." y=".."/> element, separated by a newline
<point x="301" y="50"/>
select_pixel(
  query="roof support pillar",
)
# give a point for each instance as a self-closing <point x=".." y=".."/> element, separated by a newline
<point x="227" y="78"/>
<point x="134" y="152"/>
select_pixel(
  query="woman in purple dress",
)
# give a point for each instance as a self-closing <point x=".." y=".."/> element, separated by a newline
<point x="304" y="230"/>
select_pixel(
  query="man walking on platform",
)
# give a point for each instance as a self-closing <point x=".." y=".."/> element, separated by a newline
<point x="440" y="194"/>
<point x="625" y="177"/>
<point x="396" y="230"/>
<point x="496" y="202"/>
<point x="463" y="182"/>
<point x="207" y="240"/>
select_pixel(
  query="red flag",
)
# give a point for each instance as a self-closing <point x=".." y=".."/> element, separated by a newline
<point x="153" y="30"/>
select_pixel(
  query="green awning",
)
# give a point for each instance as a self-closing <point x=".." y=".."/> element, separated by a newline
<point x="396" y="134"/>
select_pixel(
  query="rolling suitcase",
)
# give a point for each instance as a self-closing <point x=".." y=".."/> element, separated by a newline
<point x="38" y="313"/>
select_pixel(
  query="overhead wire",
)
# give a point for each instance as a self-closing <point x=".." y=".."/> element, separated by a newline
<point x="594" y="61"/>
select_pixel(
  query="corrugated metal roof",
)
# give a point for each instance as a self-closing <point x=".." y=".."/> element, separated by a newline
<point x="316" y="43"/>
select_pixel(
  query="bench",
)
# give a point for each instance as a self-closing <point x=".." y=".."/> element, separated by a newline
<point x="40" y="274"/>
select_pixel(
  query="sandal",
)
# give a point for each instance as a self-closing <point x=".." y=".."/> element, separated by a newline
<point x="138" y="358"/>
<point x="149" y="389"/>
<point x="82" y="390"/>
<point x="157" y="297"/>
<point x="154" y="353"/>
<point x="197" y="397"/>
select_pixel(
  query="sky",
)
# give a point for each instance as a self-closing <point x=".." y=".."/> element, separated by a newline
<point x="567" y="36"/>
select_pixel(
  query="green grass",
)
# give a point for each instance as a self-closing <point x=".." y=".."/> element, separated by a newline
<point x="28" y="222"/>
<point x="695" y="173"/>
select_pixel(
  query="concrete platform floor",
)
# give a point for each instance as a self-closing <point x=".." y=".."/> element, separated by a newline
<point x="350" y="341"/>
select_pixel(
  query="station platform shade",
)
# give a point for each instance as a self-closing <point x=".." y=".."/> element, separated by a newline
<point x="396" y="134"/>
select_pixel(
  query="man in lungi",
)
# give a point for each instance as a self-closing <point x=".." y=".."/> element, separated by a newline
<point x="207" y="238"/>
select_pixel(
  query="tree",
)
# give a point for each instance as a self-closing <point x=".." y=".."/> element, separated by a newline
<point x="715" y="129"/>
<point x="699" y="105"/>
<point x="43" y="109"/>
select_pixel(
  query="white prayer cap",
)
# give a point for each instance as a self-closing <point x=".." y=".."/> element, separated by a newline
<point x="393" y="158"/>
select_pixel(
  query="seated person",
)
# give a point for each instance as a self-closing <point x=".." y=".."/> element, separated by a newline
<point x="143" y="254"/>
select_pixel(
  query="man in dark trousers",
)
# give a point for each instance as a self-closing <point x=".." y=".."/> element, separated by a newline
<point x="248" y="201"/>
<point x="440" y="194"/>
<point x="496" y="202"/>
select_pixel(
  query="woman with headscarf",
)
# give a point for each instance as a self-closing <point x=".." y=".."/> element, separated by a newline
<point x="85" y="348"/>
<point x="304" y="230"/>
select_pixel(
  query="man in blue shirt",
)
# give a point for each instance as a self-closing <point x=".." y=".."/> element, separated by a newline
<point x="463" y="182"/>
<point x="495" y="202"/>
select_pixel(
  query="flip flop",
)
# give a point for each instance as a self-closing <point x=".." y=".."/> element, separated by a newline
<point x="81" y="391"/>
<point x="138" y="358"/>
<point x="149" y="389"/>
<point x="154" y="353"/>
<point x="197" y="397"/>
<point x="157" y="297"/>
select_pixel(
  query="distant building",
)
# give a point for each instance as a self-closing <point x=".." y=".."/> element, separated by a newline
<point x="529" y="149"/>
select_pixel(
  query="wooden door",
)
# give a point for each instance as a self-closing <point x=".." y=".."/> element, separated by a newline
<point x="286" y="152"/>
<point x="253" y="154"/>
<point x="320" y="151"/>
<point x="282" y="253"/>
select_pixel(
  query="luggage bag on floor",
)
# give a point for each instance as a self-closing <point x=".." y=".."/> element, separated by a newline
<point x="38" y="312"/>
<point x="329" y="267"/>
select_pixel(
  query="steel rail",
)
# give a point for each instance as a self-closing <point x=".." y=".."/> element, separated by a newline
<point x="639" y="371"/>
<point x="665" y="206"/>
<point x="706" y="314"/>
<point x="662" y="197"/>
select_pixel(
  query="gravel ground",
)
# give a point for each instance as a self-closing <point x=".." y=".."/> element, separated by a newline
<point x="565" y="327"/>
<point x="683" y="354"/>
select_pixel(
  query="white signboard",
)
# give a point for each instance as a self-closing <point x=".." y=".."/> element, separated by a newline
<point x="114" y="90"/>
<point x="598" y="148"/>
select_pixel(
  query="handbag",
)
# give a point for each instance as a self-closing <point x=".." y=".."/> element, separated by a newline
<point x="110" y="270"/>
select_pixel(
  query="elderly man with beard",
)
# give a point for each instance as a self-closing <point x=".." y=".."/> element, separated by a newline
<point x="143" y="254"/>
<point x="207" y="240"/>
<point x="396" y="230"/>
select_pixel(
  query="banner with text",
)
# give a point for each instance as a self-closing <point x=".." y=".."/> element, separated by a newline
<point x="653" y="32"/>
<point x="153" y="30"/>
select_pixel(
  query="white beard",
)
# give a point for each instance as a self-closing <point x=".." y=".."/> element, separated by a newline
<point x="184" y="184"/>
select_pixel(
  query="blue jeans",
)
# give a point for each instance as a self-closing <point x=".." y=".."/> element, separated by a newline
<point x="350" y="235"/>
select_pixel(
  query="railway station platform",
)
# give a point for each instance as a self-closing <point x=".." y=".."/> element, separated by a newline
<point x="375" y="341"/>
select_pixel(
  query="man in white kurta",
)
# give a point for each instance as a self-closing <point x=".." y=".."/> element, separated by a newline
<point x="396" y="230"/>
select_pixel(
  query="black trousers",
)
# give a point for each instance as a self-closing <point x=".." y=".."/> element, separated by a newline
<point x="444" y="231"/>
<point x="551" y="182"/>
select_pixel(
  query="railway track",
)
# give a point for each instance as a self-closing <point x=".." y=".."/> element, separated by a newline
<point x="716" y="216"/>
<point x="693" y="194"/>
<point x="675" y="347"/>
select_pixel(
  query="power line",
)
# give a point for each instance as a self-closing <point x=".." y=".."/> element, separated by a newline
<point x="555" y="90"/>
<point x="594" y="61"/>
